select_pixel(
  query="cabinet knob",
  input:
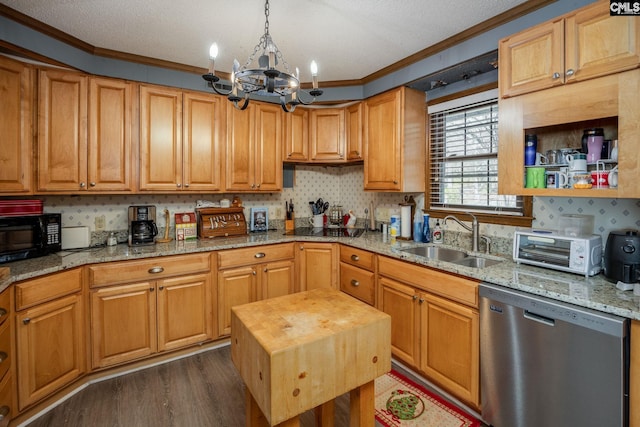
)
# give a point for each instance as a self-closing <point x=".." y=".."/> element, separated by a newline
<point x="395" y="182"/>
<point x="570" y="72"/>
<point x="3" y="312"/>
<point x="258" y="186"/>
<point x="265" y="269"/>
<point x="92" y="184"/>
<point x="26" y="320"/>
<point x="3" y="356"/>
<point x="254" y="272"/>
<point x="421" y="300"/>
<point x="358" y="153"/>
<point x="355" y="283"/>
<point x="555" y="76"/>
<point x="260" y="255"/>
<point x="161" y="288"/>
<point x="415" y="297"/>
<point x="289" y="155"/>
<point x="152" y="289"/>
<point x="155" y="270"/>
<point x="82" y="185"/>
<point x="301" y="248"/>
<point x="4" y="412"/>
<point x="178" y="185"/>
<point x="186" y="186"/>
<point x="355" y="257"/>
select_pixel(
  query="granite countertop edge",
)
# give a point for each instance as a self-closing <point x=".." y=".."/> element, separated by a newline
<point x="591" y="292"/>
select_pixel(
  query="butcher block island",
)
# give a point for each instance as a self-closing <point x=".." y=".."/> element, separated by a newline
<point x="300" y="351"/>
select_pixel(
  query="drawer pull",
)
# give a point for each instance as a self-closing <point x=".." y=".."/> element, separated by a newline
<point x="354" y="282"/>
<point x="355" y="257"/>
<point x="3" y="356"/>
<point x="26" y="320"/>
<point x="3" y="312"/>
<point x="260" y="255"/>
<point x="4" y="412"/>
<point x="161" y="288"/>
<point x="156" y="270"/>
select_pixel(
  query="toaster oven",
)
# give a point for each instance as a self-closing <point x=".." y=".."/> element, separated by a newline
<point x="550" y="249"/>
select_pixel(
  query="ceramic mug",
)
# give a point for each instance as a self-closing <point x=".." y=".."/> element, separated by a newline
<point x="541" y="159"/>
<point x="577" y="162"/>
<point x="536" y="178"/>
<point x="600" y="179"/>
<point x="556" y="179"/>
<point x="317" y="221"/>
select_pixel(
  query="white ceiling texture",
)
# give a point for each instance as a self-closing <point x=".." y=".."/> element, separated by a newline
<point x="349" y="39"/>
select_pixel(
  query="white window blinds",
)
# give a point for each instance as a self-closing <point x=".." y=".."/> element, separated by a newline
<point x="464" y="161"/>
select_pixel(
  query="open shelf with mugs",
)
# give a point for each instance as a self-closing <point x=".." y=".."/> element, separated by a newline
<point x="606" y="107"/>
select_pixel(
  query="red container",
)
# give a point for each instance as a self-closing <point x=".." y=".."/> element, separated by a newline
<point x="20" y="207"/>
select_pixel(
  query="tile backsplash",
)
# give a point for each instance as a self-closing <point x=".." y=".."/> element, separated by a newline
<point x="336" y="185"/>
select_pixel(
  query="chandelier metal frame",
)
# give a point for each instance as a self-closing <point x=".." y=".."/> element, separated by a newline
<point x="265" y="80"/>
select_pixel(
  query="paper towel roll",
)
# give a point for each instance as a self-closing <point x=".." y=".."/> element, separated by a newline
<point x="405" y="221"/>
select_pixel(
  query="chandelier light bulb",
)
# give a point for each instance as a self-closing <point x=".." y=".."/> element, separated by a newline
<point x="213" y="53"/>
<point x="314" y="74"/>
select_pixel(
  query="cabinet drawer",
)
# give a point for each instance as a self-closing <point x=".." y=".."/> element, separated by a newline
<point x="357" y="257"/>
<point x="36" y="291"/>
<point x="254" y="255"/>
<point x="6" y="402"/>
<point x="5" y="349"/>
<point x="146" y="269"/>
<point x="358" y="283"/>
<point x="5" y="305"/>
<point x="444" y="284"/>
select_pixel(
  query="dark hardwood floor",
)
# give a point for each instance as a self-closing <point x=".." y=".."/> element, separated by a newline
<point x="203" y="390"/>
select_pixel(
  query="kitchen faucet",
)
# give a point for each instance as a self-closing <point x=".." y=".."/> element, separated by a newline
<point x="474" y="229"/>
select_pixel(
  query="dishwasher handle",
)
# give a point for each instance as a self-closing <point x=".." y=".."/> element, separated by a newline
<point x="538" y="318"/>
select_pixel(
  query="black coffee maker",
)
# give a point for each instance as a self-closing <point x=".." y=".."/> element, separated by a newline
<point x="142" y="225"/>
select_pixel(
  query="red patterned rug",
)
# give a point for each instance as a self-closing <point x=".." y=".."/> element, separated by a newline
<point x="401" y="402"/>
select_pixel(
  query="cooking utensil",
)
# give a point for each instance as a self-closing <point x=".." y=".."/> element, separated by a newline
<point x="325" y="207"/>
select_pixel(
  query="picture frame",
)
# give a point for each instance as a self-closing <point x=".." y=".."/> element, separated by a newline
<point x="259" y="219"/>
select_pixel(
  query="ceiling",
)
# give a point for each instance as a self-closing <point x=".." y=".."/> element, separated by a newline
<point x="350" y="40"/>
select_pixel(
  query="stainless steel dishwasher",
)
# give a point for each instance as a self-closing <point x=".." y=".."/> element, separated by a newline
<point x="547" y="363"/>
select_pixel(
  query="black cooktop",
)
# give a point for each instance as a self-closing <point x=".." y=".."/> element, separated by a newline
<point x="326" y="232"/>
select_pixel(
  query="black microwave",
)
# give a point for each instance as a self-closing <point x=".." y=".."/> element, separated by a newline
<point x="29" y="236"/>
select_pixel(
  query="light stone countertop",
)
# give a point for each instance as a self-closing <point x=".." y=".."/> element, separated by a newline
<point x="593" y="292"/>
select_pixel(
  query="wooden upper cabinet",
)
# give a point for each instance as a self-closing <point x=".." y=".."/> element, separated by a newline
<point x="296" y="139"/>
<point x="110" y="152"/>
<point x="160" y="138"/>
<point x="203" y="141"/>
<point x="394" y="141"/>
<point x="254" y="148"/>
<point x="62" y="131"/>
<point x="84" y="133"/>
<point x="578" y="46"/>
<point x="327" y="135"/>
<point x="16" y="108"/>
<point x="354" y="131"/>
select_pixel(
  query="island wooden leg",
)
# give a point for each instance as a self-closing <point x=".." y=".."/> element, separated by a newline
<point x="362" y="406"/>
<point x="325" y="414"/>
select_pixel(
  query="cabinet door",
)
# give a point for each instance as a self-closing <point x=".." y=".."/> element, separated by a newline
<point x="15" y="127"/>
<point x="532" y="60"/>
<point x="354" y="131"/>
<point x="327" y="134"/>
<point x="318" y="265"/>
<point x="123" y="323"/>
<point x="450" y="349"/>
<point x="50" y="347"/>
<point x="235" y="286"/>
<point x="240" y="153"/>
<point x="597" y="44"/>
<point x="203" y="141"/>
<point x="110" y="154"/>
<point x="185" y="311"/>
<point x="62" y="131"/>
<point x="382" y="166"/>
<point x="277" y="279"/>
<point x="296" y="138"/>
<point x="160" y="138"/>
<point x="268" y="160"/>
<point x="399" y="302"/>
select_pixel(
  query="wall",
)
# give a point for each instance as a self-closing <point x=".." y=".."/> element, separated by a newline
<point x="337" y="185"/>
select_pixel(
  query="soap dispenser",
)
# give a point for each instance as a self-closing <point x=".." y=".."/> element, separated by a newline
<point x="438" y="234"/>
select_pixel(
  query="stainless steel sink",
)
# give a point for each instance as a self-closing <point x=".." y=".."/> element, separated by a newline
<point x="476" y="262"/>
<point x="434" y="252"/>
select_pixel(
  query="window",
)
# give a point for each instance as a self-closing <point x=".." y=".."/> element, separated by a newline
<point x="463" y="147"/>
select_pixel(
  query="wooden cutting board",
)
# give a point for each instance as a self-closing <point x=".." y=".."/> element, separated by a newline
<point x="299" y="351"/>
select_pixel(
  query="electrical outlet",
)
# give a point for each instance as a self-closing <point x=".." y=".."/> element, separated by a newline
<point x="100" y="223"/>
<point x="279" y="212"/>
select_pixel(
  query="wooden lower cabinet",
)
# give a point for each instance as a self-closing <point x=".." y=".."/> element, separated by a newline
<point x="242" y="280"/>
<point x="317" y="265"/>
<point x="50" y="347"/>
<point x="434" y="325"/>
<point x="450" y="346"/>
<point x="136" y="320"/>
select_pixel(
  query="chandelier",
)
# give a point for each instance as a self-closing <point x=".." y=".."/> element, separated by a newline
<point x="265" y="80"/>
